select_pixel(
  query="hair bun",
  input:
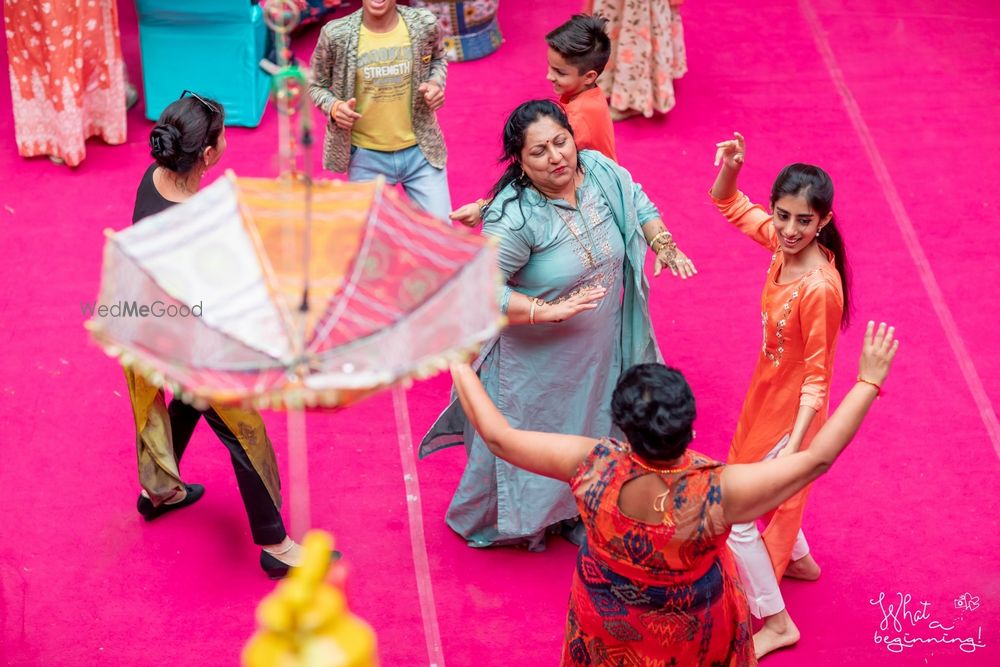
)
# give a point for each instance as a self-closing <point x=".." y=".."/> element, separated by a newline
<point x="165" y="145"/>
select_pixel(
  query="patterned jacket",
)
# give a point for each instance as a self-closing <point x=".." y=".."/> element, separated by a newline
<point x="334" y="65"/>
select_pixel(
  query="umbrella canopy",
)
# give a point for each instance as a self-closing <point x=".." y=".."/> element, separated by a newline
<point x="207" y="297"/>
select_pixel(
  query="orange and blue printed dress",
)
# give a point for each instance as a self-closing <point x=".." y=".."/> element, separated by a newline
<point x="654" y="595"/>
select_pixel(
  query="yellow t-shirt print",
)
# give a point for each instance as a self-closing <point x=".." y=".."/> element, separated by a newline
<point x="383" y="87"/>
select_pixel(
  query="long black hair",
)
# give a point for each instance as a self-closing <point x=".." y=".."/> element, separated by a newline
<point x="514" y="130"/>
<point x="654" y="407"/>
<point x="816" y="186"/>
<point x="184" y="130"/>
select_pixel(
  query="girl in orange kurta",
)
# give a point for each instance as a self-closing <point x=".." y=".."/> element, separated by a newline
<point x="803" y="306"/>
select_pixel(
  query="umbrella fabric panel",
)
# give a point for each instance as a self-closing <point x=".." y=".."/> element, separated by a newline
<point x="199" y="253"/>
<point x="141" y="316"/>
<point x="274" y="212"/>
<point x="405" y="257"/>
<point x="453" y="321"/>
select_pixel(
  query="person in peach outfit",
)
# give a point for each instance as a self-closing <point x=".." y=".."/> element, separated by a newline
<point x="67" y="76"/>
<point x="647" y="55"/>
<point x="805" y="303"/>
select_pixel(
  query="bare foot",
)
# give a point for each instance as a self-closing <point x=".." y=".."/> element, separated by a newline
<point x="805" y="568"/>
<point x="777" y="632"/>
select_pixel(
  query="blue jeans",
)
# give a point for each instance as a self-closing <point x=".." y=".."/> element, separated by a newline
<point x="425" y="184"/>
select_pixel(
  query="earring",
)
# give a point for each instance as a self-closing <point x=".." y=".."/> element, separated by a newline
<point x="694" y="434"/>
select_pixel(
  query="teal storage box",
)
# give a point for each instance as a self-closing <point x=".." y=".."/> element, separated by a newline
<point x="211" y="47"/>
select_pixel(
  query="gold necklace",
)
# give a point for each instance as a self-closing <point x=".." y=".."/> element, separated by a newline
<point x="590" y="256"/>
<point x="559" y="211"/>
<point x="565" y="216"/>
<point x="662" y="471"/>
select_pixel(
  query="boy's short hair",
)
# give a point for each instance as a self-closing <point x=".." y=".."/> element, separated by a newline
<point x="583" y="42"/>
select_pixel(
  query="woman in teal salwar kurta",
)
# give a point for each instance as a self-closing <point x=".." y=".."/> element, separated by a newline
<point x="573" y="229"/>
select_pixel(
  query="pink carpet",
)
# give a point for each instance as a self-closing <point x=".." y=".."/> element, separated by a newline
<point x="897" y="100"/>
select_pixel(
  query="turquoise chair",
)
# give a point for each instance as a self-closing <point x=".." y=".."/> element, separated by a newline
<point x="211" y="47"/>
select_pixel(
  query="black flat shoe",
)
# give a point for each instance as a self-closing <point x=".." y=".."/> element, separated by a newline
<point x="277" y="569"/>
<point x="149" y="511"/>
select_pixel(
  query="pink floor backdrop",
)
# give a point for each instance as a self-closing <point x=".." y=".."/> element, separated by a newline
<point x="896" y="99"/>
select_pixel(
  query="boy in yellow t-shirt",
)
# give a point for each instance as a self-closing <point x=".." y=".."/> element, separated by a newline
<point x="379" y="75"/>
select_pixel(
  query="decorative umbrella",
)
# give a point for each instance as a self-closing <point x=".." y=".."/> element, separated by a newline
<point x="237" y="297"/>
<point x="392" y="293"/>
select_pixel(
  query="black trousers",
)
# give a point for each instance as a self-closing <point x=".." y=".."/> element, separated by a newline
<point x="266" y="525"/>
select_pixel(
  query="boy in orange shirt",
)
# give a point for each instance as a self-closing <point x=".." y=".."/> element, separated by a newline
<point x="578" y="52"/>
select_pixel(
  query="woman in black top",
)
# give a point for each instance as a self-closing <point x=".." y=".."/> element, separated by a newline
<point x="189" y="139"/>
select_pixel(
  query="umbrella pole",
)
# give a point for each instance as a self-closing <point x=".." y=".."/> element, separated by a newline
<point x="298" y="478"/>
<point x="421" y="565"/>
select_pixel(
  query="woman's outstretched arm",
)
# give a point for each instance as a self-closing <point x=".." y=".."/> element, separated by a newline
<point x="523" y="309"/>
<point x="549" y="454"/>
<point x="751" y="490"/>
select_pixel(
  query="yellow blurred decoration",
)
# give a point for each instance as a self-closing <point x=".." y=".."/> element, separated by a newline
<point x="305" y="622"/>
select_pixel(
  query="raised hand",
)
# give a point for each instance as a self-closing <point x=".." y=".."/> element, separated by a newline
<point x="731" y="152"/>
<point x="877" y="353"/>
<point x="433" y="94"/>
<point x="343" y="113"/>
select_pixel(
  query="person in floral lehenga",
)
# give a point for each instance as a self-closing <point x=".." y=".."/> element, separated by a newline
<point x="647" y="54"/>
<point x="67" y="76"/>
<point x="655" y="584"/>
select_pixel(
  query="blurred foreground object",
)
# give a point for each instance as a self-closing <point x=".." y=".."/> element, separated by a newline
<point x="305" y="622"/>
<point x="245" y="306"/>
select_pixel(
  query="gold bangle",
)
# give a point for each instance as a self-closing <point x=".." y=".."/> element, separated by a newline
<point x="667" y="244"/>
<point x="333" y="109"/>
<point x="878" y="387"/>
<point x="652" y="242"/>
<point x="535" y="301"/>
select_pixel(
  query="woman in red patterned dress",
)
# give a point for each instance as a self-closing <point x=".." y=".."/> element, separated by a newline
<point x="655" y="584"/>
<point x="67" y="76"/>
